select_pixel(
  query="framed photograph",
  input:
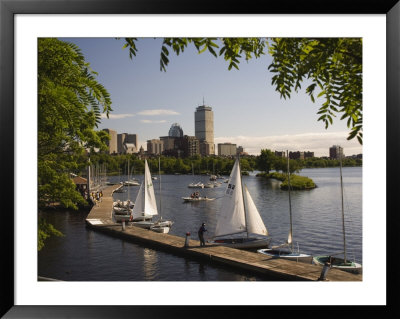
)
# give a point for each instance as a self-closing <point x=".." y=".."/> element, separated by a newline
<point x="112" y="36"/>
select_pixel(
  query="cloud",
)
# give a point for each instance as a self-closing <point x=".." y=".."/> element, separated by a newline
<point x="319" y="143"/>
<point x="151" y="121"/>
<point x="116" y="116"/>
<point x="158" y="112"/>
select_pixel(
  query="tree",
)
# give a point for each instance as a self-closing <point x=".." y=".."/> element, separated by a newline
<point x="265" y="160"/>
<point x="334" y="65"/>
<point x="70" y="101"/>
<point x="331" y="66"/>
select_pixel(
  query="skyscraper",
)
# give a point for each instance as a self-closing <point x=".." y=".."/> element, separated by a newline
<point x="336" y="152"/>
<point x="125" y="138"/>
<point x="112" y="143"/>
<point x="175" y="130"/>
<point x="204" y="129"/>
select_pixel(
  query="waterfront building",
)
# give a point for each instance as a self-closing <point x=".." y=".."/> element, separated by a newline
<point x="335" y="152"/>
<point x="112" y="143"/>
<point x="206" y="148"/>
<point x="308" y="154"/>
<point x="280" y="154"/>
<point x="129" y="148"/>
<point x="239" y="150"/>
<point x="155" y="147"/>
<point x="168" y="142"/>
<point x="226" y="149"/>
<point x="132" y="139"/>
<point x="204" y="129"/>
<point x="296" y="155"/>
<point x="190" y="145"/>
<point x="120" y="142"/>
<point x="126" y="138"/>
<point x="175" y="130"/>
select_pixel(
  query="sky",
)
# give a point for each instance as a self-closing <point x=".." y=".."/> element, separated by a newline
<point x="247" y="109"/>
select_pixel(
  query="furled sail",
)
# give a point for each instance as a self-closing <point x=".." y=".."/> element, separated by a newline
<point x="289" y="240"/>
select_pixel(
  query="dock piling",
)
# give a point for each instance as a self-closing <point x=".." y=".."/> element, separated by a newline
<point x="187" y="239"/>
<point x="324" y="271"/>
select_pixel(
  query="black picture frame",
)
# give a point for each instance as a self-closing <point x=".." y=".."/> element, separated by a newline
<point x="8" y="10"/>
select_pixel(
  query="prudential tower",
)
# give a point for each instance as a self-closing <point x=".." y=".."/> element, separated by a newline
<point x="204" y="129"/>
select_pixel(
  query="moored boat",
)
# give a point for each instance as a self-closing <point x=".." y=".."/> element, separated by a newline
<point x="239" y="224"/>
<point x="286" y="250"/>
<point x="333" y="260"/>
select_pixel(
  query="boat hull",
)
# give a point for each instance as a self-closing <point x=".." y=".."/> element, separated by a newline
<point x="190" y="199"/>
<point x="243" y="243"/>
<point x="143" y="224"/>
<point x="122" y="217"/>
<point x="160" y="229"/>
<point x="156" y="225"/>
<point x="285" y="253"/>
<point x="338" y="263"/>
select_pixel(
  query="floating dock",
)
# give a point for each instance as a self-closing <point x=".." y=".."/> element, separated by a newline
<point x="100" y="219"/>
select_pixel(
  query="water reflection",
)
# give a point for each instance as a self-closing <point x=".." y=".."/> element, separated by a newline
<point x="150" y="261"/>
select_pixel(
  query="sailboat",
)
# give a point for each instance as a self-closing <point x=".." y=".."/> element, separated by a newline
<point x="161" y="226"/>
<point x="121" y="188"/>
<point x="145" y="204"/>
<point x="131" y="181"/>
<point x="239" y="224"/>
<point x="338" y="262"/>
<point x="122" y="210"/>
<point x="193" y="184"/>
<point x="286" y="250"/>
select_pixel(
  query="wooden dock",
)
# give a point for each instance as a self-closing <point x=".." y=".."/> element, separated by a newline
<point x="100" y="219"/>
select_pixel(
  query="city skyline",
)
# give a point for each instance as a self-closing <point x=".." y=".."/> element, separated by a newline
<point x="247" y="109"/>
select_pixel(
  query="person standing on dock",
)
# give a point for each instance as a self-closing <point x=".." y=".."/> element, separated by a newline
<point x="201" y="231"/>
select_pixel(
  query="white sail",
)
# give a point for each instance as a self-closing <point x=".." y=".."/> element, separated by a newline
<point x="150" y="198"/>
<point x="138" y="209"/>
<point x="231" y="219"/>
<point x="255" y="225"/>
<point x="146" y="199"/>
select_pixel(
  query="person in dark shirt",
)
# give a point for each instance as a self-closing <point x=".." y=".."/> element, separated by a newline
<point x="201" y="231"/>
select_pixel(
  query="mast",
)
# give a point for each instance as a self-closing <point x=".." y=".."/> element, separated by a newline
<point x="244" y="205"/>
<point x="159" y="173"/>
<point x="128" y="184"/>
<point x="341" y="187"/>
<point x="290" y="202"/>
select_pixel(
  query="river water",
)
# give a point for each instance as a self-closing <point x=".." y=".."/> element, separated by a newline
<point x="86" y="255"/>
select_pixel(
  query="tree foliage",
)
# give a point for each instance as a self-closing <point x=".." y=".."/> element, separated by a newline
<point x="117" y="164"/>
<point x="265" y="161"/>
<point x="45" y="230"/>
<point x="332" y="67"/>
<point x="70" y="102"/>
